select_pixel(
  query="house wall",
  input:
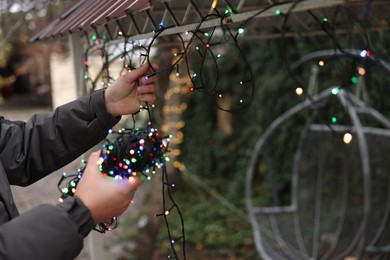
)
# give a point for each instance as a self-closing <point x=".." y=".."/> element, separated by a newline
<point x="62" y="79"/>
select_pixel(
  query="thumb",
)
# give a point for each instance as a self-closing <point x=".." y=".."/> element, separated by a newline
<point x="134" y="75"/>
<point x="93" y="158"/>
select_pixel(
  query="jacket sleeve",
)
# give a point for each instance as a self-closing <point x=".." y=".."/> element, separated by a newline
<point x="46" y="142"/>
<point x="64" y="226"/>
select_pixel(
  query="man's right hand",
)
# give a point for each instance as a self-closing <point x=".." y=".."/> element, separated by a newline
<point x="104" y="196"/>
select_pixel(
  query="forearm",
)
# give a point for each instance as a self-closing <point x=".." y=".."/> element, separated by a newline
<point x="52" y="140"/>
<point x="46" y="232"/>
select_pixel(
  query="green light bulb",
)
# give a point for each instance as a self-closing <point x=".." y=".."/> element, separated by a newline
<point x="354" y="79"/>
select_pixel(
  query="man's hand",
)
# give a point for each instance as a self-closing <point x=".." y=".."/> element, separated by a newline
<point x="104" y="196"/>
<point x="131" y="90"/>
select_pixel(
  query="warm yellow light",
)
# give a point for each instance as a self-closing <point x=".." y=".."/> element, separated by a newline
<point x="214" y="4"/>
<point x="101" y="160"/>
<point x="362" y="71"/>
<point x="176" y="152"/>
<point x="299" y="91"/>
<point x="321" y="63"/>
<point x="347" y="138"/>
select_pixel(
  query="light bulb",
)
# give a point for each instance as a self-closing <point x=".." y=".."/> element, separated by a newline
<point x="299" y="91"/>
<point x="335" y="91"/>
<point x="347" y="138"/>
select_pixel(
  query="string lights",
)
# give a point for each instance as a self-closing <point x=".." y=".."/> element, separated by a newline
<point x="203" y="46"/>
<point x="138" y="152"/>
<point x="133" y="153"/>
<point x="126" y="156"/>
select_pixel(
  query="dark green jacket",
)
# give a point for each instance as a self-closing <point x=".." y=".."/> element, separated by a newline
<point x="28" y="152"/>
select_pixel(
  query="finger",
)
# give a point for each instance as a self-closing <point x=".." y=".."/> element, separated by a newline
<point x="135" y="182"/>
<point x="155" y="67"/>
<point x="153" y="70"/>
<point x="149" y="79"/>
<point x="128" y="186"/>
<point x="92" y="161"/>
<point x="146" y="89"/>
<point x="134" y="75"/>
<point x="94" y="155"/>
<point x="149" y="98"/>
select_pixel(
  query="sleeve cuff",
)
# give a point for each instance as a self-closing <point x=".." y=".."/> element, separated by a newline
<point x="105" y="119"/>
<point x="79" y="213"/>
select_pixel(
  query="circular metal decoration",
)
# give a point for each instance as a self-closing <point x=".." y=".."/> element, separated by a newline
<point x="337" y="169"/>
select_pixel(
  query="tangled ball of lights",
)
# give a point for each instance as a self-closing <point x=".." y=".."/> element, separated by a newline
<point x="133" y="153"/>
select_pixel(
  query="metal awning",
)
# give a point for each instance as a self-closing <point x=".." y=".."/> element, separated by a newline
<point x="138" y="19"/>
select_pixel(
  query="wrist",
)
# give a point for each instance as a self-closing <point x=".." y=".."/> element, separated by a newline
<point x="103" y="109"/>
<point x="109" y="105"/>
<point x="79" y="213"/>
